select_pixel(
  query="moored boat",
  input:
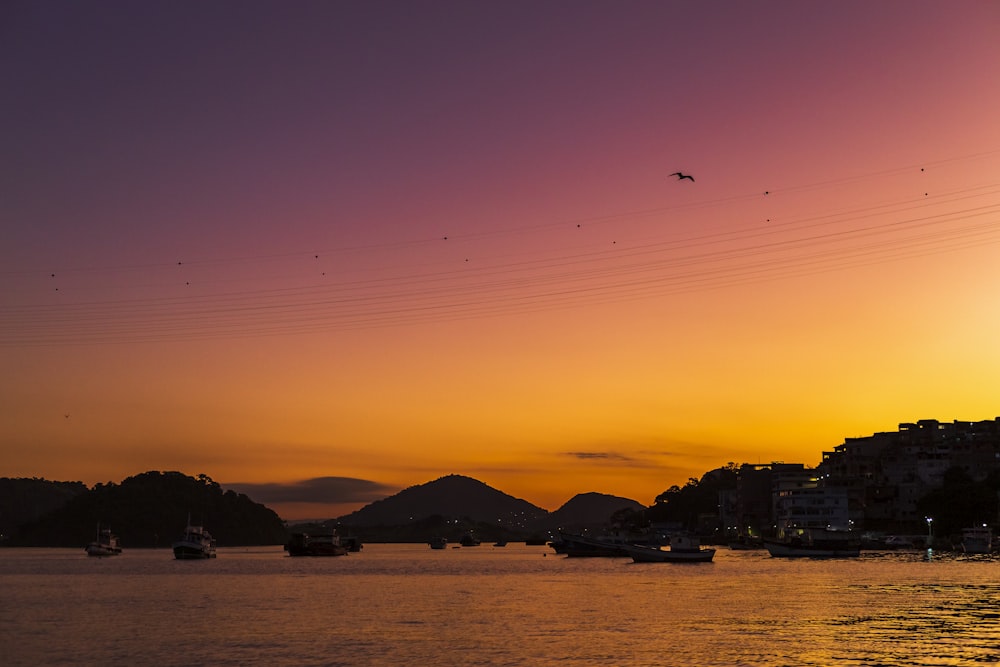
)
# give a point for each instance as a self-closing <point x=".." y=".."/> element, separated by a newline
<point x="352" y="543"/>
<point x="815" y="543"/>
<point x="323" y="544"/>
<point x="106" y="544"/>
<point x="745" y="543"/>
<point x="196" y="544"/>
<point x="438" y="542"/>
<point x="470" y="540"/>
<point x="682" y="549"/>
<point x="582" y="546"/>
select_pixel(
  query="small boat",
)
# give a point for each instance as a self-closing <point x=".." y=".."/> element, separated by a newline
<point x="500" y="543"/>
<point x="438" y="542"/>
<point x="977" y="540"/>
<point x="582" y="546"/>
<point x="683" y="549"/>
<point x="470" y="540"/>
<point x="352" y="543"/>
<point x="323" y="544"/>
<point x="106" y="544"/>
<point x="196" y="544"/>
<point x="815" y="543"/>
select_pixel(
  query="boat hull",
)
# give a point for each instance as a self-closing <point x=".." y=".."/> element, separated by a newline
<point x="786" y="550"/>
<point x="318" y="551"/>
<point x="579" y="546"/>
<point x="323" y="545"/>
<point x="102" y="550"/>
<point x="192" y="551"/>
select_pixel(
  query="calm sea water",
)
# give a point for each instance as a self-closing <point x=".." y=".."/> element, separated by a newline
<point x="397" y="604"/>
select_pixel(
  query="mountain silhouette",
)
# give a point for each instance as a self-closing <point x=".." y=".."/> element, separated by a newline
<point x="450" y="496"/>
<point x="589" y="510"/>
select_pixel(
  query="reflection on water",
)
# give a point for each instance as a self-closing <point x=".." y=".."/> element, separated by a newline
<point x="408" y="604"/>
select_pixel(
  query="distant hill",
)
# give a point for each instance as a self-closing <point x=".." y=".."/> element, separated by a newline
<point x="150" y="510"/>
<point x="452" y="496"/>
<point x="454" y="505"/>
<point x="590" y="510"/>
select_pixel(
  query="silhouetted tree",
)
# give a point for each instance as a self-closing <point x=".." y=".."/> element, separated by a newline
<point x="697" y="497"/>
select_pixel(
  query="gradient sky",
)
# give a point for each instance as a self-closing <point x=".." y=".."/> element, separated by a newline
<point x="323" y="251"/>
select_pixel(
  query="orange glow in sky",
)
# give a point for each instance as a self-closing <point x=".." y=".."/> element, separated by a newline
<point x="372" y="244"/>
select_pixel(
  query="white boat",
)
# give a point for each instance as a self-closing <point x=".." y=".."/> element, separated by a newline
<point x="683" y="549"/>
<point x="196" y="543"/>
<point x="106" y="544"/>
<point x="977" y="540"/>
<point x="815" y="543"/>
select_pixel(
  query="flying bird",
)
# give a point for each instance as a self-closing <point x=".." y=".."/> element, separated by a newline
<point x="681" y="177"/>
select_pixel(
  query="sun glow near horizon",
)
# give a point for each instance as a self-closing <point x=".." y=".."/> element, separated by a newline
<point x="458" y="256"/>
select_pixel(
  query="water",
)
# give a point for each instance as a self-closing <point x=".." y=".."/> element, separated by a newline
<point x="400" y="604"/>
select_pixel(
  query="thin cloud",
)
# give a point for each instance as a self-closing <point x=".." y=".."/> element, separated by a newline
<point x="328" y="490"/>
<point x="606" y="456"/>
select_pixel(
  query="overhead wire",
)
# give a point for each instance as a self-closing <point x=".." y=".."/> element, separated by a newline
<point x="557" y="278"/>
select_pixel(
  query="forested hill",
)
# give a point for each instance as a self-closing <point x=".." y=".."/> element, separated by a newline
<point x="151" y="510"/>
<point x="25" y="499"/>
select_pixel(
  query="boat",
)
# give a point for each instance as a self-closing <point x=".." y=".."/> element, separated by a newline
<point x="745" y="543"/>
<point x="438" y="542"/>
<point x="352" y="543"/>
<point x="470" y="540"/>
<point x="683" y="549"/>
<point x="321" y="544"/>
<point x="583" y="546"/>
<point x="814" y="543"/>
<point x="500" y="543"/>
<point x="196" y="544"/>
<point x="106" y="544"/>
<point x="977" y="540"/>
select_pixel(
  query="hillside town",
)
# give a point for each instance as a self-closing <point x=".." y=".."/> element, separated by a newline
<point x="926" y="480"/>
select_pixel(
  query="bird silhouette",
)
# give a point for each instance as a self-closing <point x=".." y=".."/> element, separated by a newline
<point x="681" y="177"/>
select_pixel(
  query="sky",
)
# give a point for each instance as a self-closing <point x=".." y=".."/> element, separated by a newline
<point x="324" y="251"/>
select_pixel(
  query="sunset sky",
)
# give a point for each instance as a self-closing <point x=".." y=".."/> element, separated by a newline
<point x="323" y="251"/>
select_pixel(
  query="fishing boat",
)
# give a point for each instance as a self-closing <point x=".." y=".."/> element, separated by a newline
<point x="106" y="544"/>
<point x="196" y="544"/>
<point x="682" y="549"/>
<point x="814" y="543"/>
<point x="323" y="544"/>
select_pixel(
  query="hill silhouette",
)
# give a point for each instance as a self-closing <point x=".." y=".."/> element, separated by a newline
<point x="590" y="510"/>
<point x="25" y="499"/>
<point x="150" y="510"/>
<point x="454" y="496"/>
<point x="455" y="505"/>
